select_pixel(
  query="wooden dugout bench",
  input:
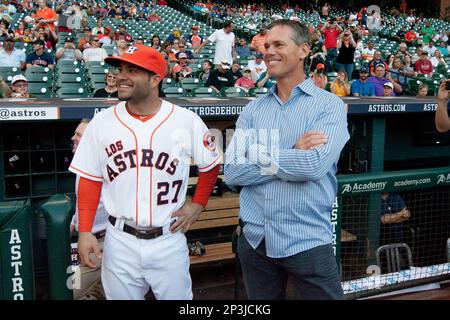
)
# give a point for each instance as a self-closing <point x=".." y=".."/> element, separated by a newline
<point x="220" y="212"/>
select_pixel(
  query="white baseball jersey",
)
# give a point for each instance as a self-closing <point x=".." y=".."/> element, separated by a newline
<point x="101" y="215"/>
<point x="144" y="166"/>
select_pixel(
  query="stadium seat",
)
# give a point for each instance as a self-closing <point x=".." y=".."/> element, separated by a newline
<point x="70" y="79"/>
<point x="232" y="92"/>
<point x="72" y="91"/>
<point x="204" y="92"/>
<point x="258" y="92"/>
<point x="39" y="90"/>
<point x="168" y="82"/>
<point x="190" y="84"/>
<point x="172" y="92"/>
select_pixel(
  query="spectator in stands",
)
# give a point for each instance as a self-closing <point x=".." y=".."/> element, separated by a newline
<point x="175" y="35"/>
<point x="443" y="49"/>
<point x="319" y="77"/>
<point x="110" y="89"/>
<point x="417" y="54"/>
<point x="10" y="56"/>
<point x="427" y="32"/>
<point x="400" y="35"/>
<point x="374" y="23"/>
<point x="368" y="52"/>
<point x="153" y="17"/>
<point x="69" y="51"/>
<point x="85" y="41"/>
<point x="265" y="81"/>
<point x="45" y="14"/>
<point x="251" y="25"/>
<point x="388" y="88"/>
<point x="423" y="65"/>
<point x="331" y="33"/>
<point x="206" y="71"/>
<point x="95" y="52"/>
<point x="121" y="46"/>
<point x="430" y="48"/>
<point x="181" y="69"/>
<point x="340" y="86"/>
<point x="194" y="39"/>
<point x="18" y="89"/>
<point x="123" y="33"/>
<point x="245" y="82"/>
<point x="74" y="20"/>
<point x="4" y="29"/>
<point x="243" y="49"/>
<point x="390" y="60"/>
<point x="380" y="78"/>
<point x="360" y="87"/>
<point x="105" y="38"/>
<point x="19" y="32"/>
<point x="236" y="69"/>
<point x="442" y="120"/>
<point x="224" y="39"/>
<point x="27" y="36"/>
<point x="402" y="50"/>
<point x="258" y="66"/>
<point x="393" y="215"/>
<point x="317" y="56"/>
<point x="398" y="72"/>
<point x="188" y="53"/>
<point x="438" y="60"/>
<point x="345" y="59"/>
<point x="422" y="91"/>
<point x="257" y="43"/>
<point x="411" y="36"/>
<point x="156" y="42"/>
<point x="221" y="77"/>
<point x="375" y="62"/>
<point x="99" y="28"/>
<point x="408" y="67"/>
<point x="39" y="57"/>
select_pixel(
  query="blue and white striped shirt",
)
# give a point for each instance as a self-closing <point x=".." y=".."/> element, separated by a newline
<point x="287" y="193"/>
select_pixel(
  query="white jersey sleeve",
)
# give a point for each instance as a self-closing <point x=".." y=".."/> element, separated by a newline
<point x="213" y="36"/>
<point x="205" y="147"/>
<point x="87" y="159"/>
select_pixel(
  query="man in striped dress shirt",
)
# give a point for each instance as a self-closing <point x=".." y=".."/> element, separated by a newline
<point x="284" y="154"/>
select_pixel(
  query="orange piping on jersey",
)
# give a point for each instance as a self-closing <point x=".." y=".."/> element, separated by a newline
<point x="137" y="164"/>
<point x="151" y="171"/>
<point x="80" y="171"/>
<point x="210" y="164"/>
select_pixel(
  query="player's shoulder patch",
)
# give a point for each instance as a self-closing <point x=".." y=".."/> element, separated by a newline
<point x="209" y="141"/>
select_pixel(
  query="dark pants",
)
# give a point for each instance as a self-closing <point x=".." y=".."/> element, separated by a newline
<point x="313" y="272"/>
<point x="331" y="54"/>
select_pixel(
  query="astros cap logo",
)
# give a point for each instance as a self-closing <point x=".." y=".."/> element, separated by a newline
<point x="131" y="49"/>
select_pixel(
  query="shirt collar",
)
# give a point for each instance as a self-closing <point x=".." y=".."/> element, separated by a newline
<point x="307" y="86"/>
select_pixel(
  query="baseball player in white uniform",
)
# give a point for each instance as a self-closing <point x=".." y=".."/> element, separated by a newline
<point x="140" y="151"/>
<point x="90" y="287"/>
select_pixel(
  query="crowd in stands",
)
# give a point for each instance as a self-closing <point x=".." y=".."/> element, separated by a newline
<point x="344" y="58"/>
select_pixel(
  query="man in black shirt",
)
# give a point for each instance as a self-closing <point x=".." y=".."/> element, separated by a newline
<point x="221" y="77"/>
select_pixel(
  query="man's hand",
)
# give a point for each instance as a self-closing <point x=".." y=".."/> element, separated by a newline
<point x="88" y="244"/>
<point x="311" y="140"/>
<point x="443" y="93"/>
<point x="187" y="215"/>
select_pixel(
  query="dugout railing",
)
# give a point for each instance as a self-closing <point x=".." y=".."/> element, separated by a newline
<point x="359" y="231"/>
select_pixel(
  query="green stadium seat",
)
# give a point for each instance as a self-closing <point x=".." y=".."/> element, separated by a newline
<point x="72" y="91"/>
<point x="172" y="92"/>
<point x="39" y="90"/>
<point x="232" y="92"/>
<point x="190" y="84"/>
<point x="203" y="92"/>
<point x="258" y="92"/>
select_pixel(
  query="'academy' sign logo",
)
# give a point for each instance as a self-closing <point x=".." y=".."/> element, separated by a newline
<point x="363" y="187"/>
<point x="442" y="178"/>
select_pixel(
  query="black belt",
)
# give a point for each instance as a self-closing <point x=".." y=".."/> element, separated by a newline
<point x="139" y="233"/>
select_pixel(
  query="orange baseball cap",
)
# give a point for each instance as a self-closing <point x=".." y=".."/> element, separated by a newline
<point x="141" y="56"/>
